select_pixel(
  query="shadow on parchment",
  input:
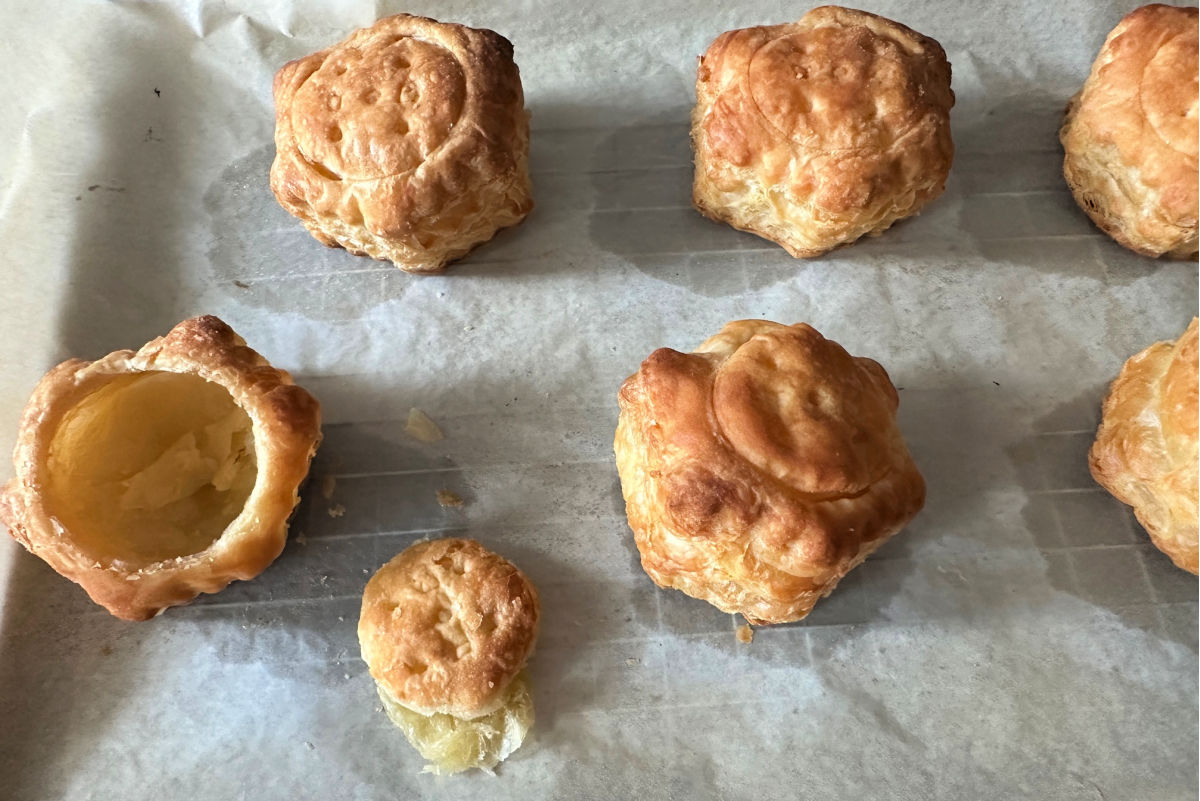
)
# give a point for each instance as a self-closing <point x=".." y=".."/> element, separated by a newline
<point x="1094" y="547"/>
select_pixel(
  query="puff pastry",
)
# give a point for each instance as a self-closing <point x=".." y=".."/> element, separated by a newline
<point x="151" y="477"/>
<point x="1130" y="134"/>
<point x="818" y="132"/>
<point x="445" y="629"/>
<point x="1146" y="451"/>
<point x="762" y="467"/>
<point x="407" y="142"/>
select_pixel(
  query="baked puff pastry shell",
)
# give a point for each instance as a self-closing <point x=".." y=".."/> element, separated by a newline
<point x="818" y="132"/>
<point x="407" y="142"/>
<point x="151" y="477"/>
<point x="1130" y="135"/>
<point x="761" y="468"/>
<point x="445" y="629"/>
<point x="1146" y="451"/>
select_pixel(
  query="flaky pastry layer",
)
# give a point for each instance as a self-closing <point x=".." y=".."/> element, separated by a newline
<point x="128" y="546"/>
<point x="446" y="625"/>
<point x="1130" y="134"/>
<point x="761" y="468"/>
<point x="453" y="745"/>
<point x="1146" y="451"/>
<point x="407" y="142"/>
<point x="816" y="133"/>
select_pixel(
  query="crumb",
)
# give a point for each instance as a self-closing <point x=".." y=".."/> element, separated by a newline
<point x="744" y="633"/>
<point x="446" y="498"/>
<point x="327" y="485"/>
<point x="345" y="675"/>
<point x="420" y="427"/>
<point x="241" y="284"/>
<point x="309" y="746"/>
<point x="341" y="618"/>
<point x="337" y="510"/>
<point x="301" y="539"/>
<point x="106" y="650"/>
<point x="632" y="662"/>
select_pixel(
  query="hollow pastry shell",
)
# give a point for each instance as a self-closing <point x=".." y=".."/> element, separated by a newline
<point x="285" y="423"/>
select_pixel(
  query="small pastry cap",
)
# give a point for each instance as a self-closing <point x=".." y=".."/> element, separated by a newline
<point x="446" y="626"/>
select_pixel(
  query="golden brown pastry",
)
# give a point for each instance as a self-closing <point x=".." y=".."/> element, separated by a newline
<point x="818" y="132"/>
<point x="1146" y="452"/>
<point x="445" y="629"/>
<point x="762" y="467"/>
<point x="1130" y="134"/>
<point x="151" y="477"/>
<point x="407" y="142"/>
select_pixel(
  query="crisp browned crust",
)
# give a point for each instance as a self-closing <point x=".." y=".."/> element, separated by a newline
<point x="286" y="430"/>
<point x="1146" y="451"/>
<point x="761" y="468"/>
<point x="407" y="142"/>
<point x="1130" y="135"/>
<point x="819" y="132"/>
<point x="446" y="625"/>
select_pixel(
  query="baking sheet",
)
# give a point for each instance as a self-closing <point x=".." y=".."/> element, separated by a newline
<point x="1021" y="639"/>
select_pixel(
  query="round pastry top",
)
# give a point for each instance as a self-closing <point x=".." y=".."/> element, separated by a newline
<point x="446" y="625"/>
<point x="378" y="105"/>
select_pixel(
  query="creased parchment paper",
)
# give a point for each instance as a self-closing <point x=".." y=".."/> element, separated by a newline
<point x="1020" y="640"/>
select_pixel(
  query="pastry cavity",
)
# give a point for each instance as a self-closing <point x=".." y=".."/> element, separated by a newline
<point x="152" y="467"/>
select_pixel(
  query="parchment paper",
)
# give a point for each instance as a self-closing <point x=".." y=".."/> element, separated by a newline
<point x="1021" y="639"/>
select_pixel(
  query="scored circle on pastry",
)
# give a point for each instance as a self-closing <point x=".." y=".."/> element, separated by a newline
<point x="761" y="468"/>
<point x="1147" y="449"/>
<point x="407" y="142"/>
<point x="1130" y="142"/>
<point x="815" y="133"/>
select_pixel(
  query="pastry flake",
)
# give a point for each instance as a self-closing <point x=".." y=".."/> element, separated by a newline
<point x="818" y="132"/>
<point x="762" y="467"/>
<point x="148" y="478"/>
<point x="1146" y="451"/>
<point x="407" y="142"/>
<point x="1130" y="134"/>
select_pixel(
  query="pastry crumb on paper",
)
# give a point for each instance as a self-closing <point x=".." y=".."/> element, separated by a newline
<point x="337" y="510"/>
<point x="421" y="427"/>
<point x="744" y="633"/>
<point x="446" y="498"/>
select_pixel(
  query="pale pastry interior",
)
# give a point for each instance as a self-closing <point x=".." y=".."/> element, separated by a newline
<point x="151" y="467"/>
<point x="453" y="744"/>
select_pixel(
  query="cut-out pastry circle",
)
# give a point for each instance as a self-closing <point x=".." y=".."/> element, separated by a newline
<point x="396" y="90"/>
<point x="761" y="468"/>
<point x="151" y="477"/>
<point x="445" y="629"/>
